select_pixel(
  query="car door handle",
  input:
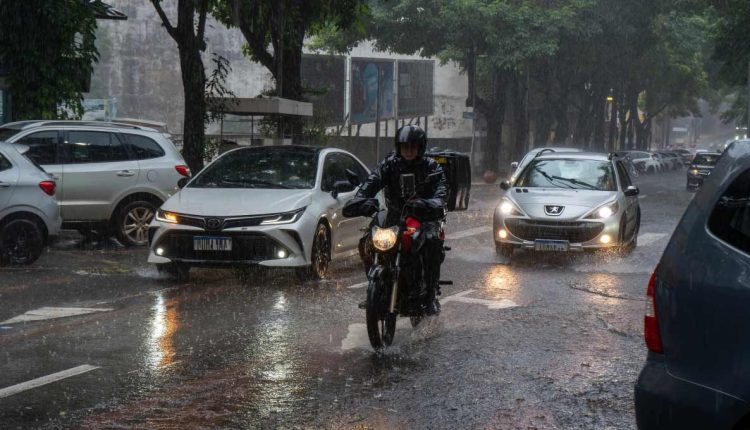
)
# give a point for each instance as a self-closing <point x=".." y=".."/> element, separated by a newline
<point x="126" y="173"/>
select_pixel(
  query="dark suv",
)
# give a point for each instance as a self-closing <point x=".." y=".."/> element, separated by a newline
<point x="700" y="168"/>
<point x="697" y="323"/>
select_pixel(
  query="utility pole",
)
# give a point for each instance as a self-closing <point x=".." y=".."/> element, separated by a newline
<point x="473" y="108"/>
<point x="747" y="131"/>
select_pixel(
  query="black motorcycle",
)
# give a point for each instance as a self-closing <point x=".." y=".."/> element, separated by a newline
<point x="391" y="255"/>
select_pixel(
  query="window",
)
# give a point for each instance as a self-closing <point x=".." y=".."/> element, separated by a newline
<point x="730" y="219"/>
<point x="93" y="147"/>
<point x="353" y="165"/>
<point x="4" y="163"/>
<point x="568" y="173"/>
<point x="143" y="147"/>
<point x="623" y="174"/>
<point x="334" y="170"/>
<point x="42" y="147"/>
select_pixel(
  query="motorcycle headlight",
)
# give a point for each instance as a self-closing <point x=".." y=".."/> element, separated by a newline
<point x="508" y="208"/>
<point x="605" y="211"/>
<point x="695" y="172"/>
<point x="165" y="216"/>
<point x="283" y="218"/>
<point x="384" y="239"/>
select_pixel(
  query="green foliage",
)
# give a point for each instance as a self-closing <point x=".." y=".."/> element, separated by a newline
<point x="218" y="97"/>
<point x="47" y="48"/>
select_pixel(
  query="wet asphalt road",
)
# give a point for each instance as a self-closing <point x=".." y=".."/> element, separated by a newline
<point x="546" y="342"/>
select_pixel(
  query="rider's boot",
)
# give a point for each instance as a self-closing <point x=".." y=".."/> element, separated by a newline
<point x="432" y="305"/>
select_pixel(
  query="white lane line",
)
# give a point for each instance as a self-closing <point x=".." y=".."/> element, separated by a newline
<point x="642" y="196"/>
<point x="469" y="232"/>
<point x="491" y="304"/>
<point x="360" y="285"/>
<point x="647" y="239"/>
<point x="44" y="380"/>
<point x="47" y="313"/>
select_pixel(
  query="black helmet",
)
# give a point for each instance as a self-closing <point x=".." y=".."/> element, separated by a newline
<point x="411" y="134"/>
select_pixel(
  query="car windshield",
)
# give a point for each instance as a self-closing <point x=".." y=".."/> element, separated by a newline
<point x="260" y="168"/>
<point x="706" y="159"/>
<point x="568" y="173"/>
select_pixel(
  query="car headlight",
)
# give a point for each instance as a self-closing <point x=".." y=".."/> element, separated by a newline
<point x="508" y="208"/>
<point x="284" y="218"/>
<point x="605" y="211"/>
<point x="384" y="239"/>
<point x="165" y="216"/>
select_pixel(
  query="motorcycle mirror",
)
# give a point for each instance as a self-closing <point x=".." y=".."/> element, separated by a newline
<point x="505" y="185"/>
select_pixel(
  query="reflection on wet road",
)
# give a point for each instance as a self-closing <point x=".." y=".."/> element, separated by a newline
<point x="543" y="341"/>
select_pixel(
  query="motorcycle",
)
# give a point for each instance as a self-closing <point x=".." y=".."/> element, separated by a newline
<point x="396" y="285"/>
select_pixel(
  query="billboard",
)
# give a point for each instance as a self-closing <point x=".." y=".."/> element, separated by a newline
<point x="324" y="79"/>
<point x="415" y="88"/>
<point x="371" y="86"/>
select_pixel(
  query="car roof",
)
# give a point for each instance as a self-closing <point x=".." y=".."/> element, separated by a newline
<point x="29" y="124"/>
<point x="574" y="156"/>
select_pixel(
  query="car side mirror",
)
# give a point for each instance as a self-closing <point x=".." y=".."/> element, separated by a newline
<point x="632" y="191"/>
<point x="505" y="185"/>
<point x="352" y="178"/>
<point x="341" y="187"/>
<point x="182" y="182"/>
<point x="514" y="165"/>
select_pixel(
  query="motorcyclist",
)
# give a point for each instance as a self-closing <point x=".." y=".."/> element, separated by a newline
<point x="430" y="194"/>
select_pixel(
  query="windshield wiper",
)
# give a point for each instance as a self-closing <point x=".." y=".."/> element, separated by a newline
<point x="251" y="182"/>
<point x="548" y="177"/>
<point x="577" y="182"/>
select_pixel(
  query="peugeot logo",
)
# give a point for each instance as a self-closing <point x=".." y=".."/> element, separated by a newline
<point x="553" y="210"/>
<point x="213" y="223"/>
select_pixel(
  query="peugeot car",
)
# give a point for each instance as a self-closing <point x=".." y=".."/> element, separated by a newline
<point x="568" y="202"/>
<point x="276" y="206"/>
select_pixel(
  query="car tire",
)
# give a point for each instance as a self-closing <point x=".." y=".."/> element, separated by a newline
<point x="503" y="250"/>
<point x="131" y="222"/>
<point x="627" y="248"/>
<point x="178" y="271"/>
<point x="21" y="242"/>
<point x="320" y="257"/>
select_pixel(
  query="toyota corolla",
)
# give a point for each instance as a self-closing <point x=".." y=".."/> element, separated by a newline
<point x="568" y="202"/>
<point x="277" y="206"/>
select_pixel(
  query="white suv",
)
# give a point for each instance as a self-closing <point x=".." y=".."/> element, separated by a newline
<point x="111" y="177"/>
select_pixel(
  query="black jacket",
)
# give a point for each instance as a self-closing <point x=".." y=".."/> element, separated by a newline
<point x="387" y="177"/>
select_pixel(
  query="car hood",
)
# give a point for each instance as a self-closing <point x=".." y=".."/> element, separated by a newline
<point x="575" y="203"/>
<point x="226" y="202"/>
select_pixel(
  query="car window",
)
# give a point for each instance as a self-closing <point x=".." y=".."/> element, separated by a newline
<point x="143" y="147"/>
<point x="730" y="218"/>
<point x="93" y="147"/>
<point x="622" y="173"/>
<point x="569" y="173"/>
<point x="706" y="159"/>
<point x="260" y="168"/>
<point x="42" y="147"/>
<point x="4" y="163"/>
<point x="353" y="165"/>
<point x="334" y="170"/>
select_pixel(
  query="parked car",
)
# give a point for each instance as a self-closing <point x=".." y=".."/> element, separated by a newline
<point x="645" y="162"/>
<point x="685" y="155"/>
<point x="111" y="177"/>
<point x="672" y="160"/>
<point x="697" y="372"/>
<point x="568" y="202"/>
<point x="703" y="164"/>
<point x="516" y="166"/>
<point x="29" y="213"/>
<point x="274" y="206"/>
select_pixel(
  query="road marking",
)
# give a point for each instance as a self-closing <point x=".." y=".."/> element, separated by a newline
<point x="360" y="285"/>
<point x="469" y="232"/>
<point x="647" y="239"/>
<point x="491" y="304"/>
<point x="642" y="196"/>
<point x="47" y="313"/>
<point x="44" y="380"/>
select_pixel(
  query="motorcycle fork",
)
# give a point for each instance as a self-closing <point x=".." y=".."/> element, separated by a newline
<point x="394" y="291"/>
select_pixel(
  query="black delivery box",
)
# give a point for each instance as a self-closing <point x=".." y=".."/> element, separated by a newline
<point x="458" y="174"/>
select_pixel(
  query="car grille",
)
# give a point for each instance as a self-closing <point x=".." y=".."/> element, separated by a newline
<point x="574" y="232"/>
<point x="224" y="223"/>
<point x="245" y="247"/>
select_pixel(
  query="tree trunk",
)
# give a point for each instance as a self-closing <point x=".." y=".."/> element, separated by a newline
<point x="193" y="82"/>
<point x="520" y="120"/>
<point x="494" y="111"/>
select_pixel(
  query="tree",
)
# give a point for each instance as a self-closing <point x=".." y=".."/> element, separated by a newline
<point x="276" y="29"/>
<point x="47" y="48"/>
<point x="189" y="36"/>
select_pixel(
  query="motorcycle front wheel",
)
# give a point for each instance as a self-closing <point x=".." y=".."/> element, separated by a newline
<point x="381" y="325"/>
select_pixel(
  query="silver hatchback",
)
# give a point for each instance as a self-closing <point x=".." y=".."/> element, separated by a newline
<point x="29" y="213"/>
<point x="568" y="202"/>
<point x="111" y="177"/>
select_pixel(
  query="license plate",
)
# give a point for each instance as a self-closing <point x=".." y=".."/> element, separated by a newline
<point x="551" y="245"/>
<point x="212" y="243"/>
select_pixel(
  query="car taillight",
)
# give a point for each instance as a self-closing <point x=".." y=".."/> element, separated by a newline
<point x="183" y="170"/>
<point x="650" y="320"/>
<point x="48" y="187"/>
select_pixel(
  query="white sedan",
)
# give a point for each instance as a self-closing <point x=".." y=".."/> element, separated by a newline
<point x="274" y="206"/>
